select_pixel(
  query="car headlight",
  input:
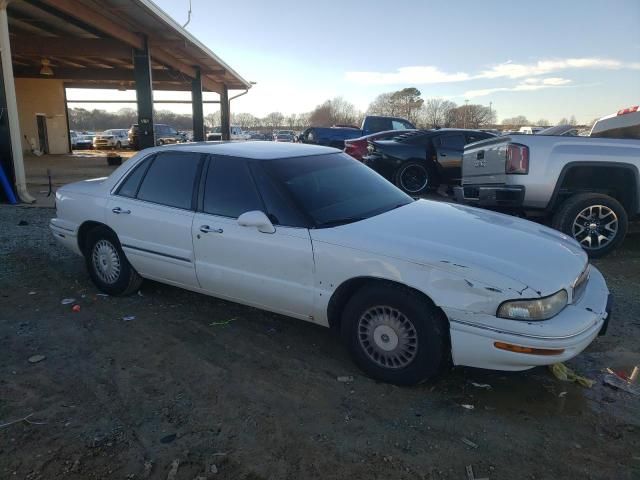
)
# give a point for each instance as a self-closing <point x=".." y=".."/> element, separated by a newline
<point x="534" y="309"/>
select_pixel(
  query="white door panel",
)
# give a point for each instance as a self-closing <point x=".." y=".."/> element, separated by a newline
<point x="156" y="239"/>
<point x="273" y="271"/>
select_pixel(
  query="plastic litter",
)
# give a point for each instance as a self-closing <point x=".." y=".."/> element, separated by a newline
<point x="469" y="443"/>
<point x="345" y="379"/>
<point x="486" y="386"/>
<point x="616" y="382"/>
<point x="75" y="308"/>
<point x="467" y="406"/>
<point x="224" y="322"/>
<point x="32" y="293"/>
<point x="36" y="358"/>
<point x="67" y="301"/>
<point x="128" y="318"/>
<point x="564" y="373"/>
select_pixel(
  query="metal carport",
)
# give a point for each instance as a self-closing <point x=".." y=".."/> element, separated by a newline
<point x="120" y="44"/>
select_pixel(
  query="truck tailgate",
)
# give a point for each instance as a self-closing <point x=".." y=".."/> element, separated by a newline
<point x="483" y="162"/>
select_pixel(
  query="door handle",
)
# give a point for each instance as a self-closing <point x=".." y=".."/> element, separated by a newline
<point x="118" y="210"/>
<point x="480" y="155"/>
<point x="208" y="229"/>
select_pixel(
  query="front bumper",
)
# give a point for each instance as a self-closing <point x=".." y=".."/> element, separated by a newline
<point x="506" y="196"/>
<point x="473" y="336"/>
<point x="65" y="234"/>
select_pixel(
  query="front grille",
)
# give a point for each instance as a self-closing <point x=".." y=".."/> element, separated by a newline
<point x="580" y="285"/>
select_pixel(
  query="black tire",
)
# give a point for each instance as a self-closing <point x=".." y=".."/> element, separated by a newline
<point x="415" y="178"/>
<point x="567" y="220"/>
<point x="118" y="145"/>
<point x="426" y="328"/>
<point x="127" y="281"/>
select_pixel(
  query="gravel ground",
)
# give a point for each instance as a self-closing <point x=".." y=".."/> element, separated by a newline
<point x="197" y="385"/>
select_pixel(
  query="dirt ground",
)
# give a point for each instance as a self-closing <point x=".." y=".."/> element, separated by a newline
<point x="194" y="385"/>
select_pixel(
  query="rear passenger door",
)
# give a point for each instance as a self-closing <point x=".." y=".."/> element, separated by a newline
<point x="449" y="149"/>
<point x="152" y="210"/>
<point x="273" y="271"/>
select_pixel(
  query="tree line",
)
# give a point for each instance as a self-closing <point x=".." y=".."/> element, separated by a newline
<point x="406" y="103"/>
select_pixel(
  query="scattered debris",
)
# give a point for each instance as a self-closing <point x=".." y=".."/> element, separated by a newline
<point x="128" y="318"/>
<point x="148" y="466"/>
<point x="22" y="223"/>
<point x="101" y="295"/>
<point x="345" y="379"/>
<point x="140" y="293"/>
<point x="67" y="301"/>
<point x="168" y="438"/>
<point x="36" y="358"/>
<point x="173" y="472"/>
<point x="469" y="443"/>
<point x="467" y="406"/>
<point x="562" y="394"/>
<point x="564" y="373"/>
<point x="213" y="469"/>
<point x="23" y="419"/>
<point x="75" y="308"/>
<point x="486" y="386"/>
<point x="224" y="322"/>
<point x="32" y="293"/>
<point x="618" y="383"/>
<point x="469" y="470"/>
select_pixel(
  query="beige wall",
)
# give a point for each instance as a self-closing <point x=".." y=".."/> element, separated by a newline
<point x="42" y="96"/>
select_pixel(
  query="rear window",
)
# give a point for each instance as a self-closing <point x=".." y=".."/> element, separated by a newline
<point x="229" y="189"/>
<point x="171" y="179"/>
<point x="455" y="142"/>
<point x="129" y="188"/>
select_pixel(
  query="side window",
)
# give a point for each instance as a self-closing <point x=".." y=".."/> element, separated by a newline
<point x="171" y="179"/>
<point x="454" y="142"/>
<point x="378" y="124"/>
<point x="129" y="187"/>
<point x="280" y="207"/>
<point x="399" y="125"/>
<point x="476" y="137"/>
<point x="229" y="190"/>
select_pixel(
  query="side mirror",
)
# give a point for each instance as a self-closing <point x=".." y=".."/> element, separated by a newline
<point x="257" y="219"/>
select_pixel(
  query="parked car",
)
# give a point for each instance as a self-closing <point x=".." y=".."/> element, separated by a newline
<point x="236" y="134"/>
<point x="423" y="159"/>
<point x="283" y="132"/>
<point x="561" y="131"/>
<point x="531" y="130"/>
<point x="586" y="187"/>
<point x="83" y="142"/>
<point x="311" y="233"/>
<point x="357" y="147"/>
<point x="284" y="137"/>
<point x="623" y="124"/>
<point x="115" y="138"/>
<point x="259" y="136"/>
<point x="336" y="136"/>
<point x="164" y="134"/>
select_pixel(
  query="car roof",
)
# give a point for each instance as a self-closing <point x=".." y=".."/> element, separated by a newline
<point x="253" y="150"/>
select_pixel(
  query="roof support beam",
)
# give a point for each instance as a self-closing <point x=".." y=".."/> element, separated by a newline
<point x="67" y="46"/>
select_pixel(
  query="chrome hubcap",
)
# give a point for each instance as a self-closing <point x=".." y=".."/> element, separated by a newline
<point x="414" y="178"/>
<point x="106" y="261"/>
<point x="388" y="337"/>
<point x="595" y="227"/>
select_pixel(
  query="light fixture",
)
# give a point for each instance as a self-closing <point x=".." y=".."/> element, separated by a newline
<point x="46" y="67"/>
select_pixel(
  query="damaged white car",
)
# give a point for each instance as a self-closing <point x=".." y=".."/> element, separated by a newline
<point x="308" y="232"/>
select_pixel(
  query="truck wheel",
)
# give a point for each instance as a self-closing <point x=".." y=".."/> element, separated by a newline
<point x="598" y="222"/>
<point x="108" y="266"/>
<point x="395" y="335"/>
<point x="415" y="178"/>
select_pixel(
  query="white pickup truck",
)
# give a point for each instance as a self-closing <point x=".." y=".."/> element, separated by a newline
<point x="589" y="188"/>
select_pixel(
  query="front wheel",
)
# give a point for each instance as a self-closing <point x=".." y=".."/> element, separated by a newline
<point x="108" y="266"/>
<point x="415" y="178"/>
<point x="395" y="335"/>
<point x="596" y="221"/>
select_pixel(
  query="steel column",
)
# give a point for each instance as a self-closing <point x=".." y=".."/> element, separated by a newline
<point x="144" y="97"/>
<point x="225" y="121"/>
<point x="197" y="108"/>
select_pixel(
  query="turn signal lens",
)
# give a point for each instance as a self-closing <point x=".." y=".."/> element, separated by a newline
<point x="517" y="159"/>
<point x="534" y="309"/>
<point x="529" y="350"/>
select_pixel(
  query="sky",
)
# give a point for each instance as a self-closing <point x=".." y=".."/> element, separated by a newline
<point x="542" y="59"/>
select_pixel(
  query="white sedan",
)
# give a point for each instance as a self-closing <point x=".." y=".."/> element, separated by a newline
<point x="309" y="232"/>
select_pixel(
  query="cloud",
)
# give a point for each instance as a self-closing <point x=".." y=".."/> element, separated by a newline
<point x="430" y="74"/>
<point x="527" y="85"/>
<point x="407" y="75"/>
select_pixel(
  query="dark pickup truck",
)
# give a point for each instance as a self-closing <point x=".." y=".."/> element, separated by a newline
<point x="335" y="136"/>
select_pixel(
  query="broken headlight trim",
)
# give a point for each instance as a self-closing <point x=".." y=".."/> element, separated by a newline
<point x="534" y="309"/>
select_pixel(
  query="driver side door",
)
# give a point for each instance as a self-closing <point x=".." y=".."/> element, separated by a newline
<point x="272" y="271"/>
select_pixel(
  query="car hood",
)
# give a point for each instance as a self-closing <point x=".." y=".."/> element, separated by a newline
<point x="482" y="245"/>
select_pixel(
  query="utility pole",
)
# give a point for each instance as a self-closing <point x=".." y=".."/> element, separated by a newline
<point x="490" y="111"/>
<point x="466" y="108"/>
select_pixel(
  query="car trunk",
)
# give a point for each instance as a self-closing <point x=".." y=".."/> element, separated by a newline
<point x="484" y="163"/>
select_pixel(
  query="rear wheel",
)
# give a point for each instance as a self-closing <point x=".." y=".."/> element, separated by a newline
<point x="108" y="266"/>
<point x="394" y="334"/>
<point x="415" y="178"/>
<point x="597" y="221"/>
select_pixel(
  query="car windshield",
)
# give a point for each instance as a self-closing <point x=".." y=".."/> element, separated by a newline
<point x="110" y="132"/>
<point x="284" y="137"/>
<point x="335" y="189"/>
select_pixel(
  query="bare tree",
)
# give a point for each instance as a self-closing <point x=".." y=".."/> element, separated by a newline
<point x="472" y="116"/>
<point x="274" y="119"/>
<point x="519" y="121"/>
<point x="382" y="105"/>
<point x="543" y="122"/>
<point x="243" y="120"/>
<point x="435" y="112"/>
<point x="334" y="112"/>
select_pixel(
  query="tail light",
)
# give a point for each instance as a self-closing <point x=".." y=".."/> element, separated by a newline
<point x="356" y="148"/>
<point x="517" y="159"/>
<point x="624" y="111"/>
